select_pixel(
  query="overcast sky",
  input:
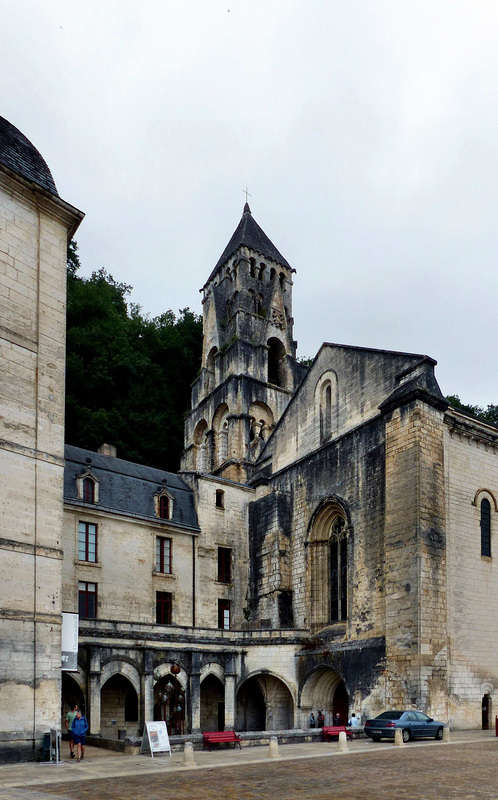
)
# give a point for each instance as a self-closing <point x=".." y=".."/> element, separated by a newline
<point x="366" y="133"/>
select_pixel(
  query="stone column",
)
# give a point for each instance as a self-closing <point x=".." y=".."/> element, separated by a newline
<point x="94" y="692"/>
<point x="230" y="678"/>
<point x="195" y="694"/>
<point x="147" y="690"/>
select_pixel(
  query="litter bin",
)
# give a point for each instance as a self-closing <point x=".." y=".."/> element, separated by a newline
<point x="46" y="746"/>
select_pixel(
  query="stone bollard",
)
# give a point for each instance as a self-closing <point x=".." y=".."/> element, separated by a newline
<point x="343" y="742"/>
<point x="273" y="749"/>
<point x="398" y="738"/>
<point x="446" y="734"/>
<point x="188" y="755"/>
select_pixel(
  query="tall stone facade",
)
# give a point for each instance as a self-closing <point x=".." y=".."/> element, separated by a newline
<point x="328" y="544"/>
<point x="35" y="225"/>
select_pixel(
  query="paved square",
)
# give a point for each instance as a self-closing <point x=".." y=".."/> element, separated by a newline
<point x="416" y="772"/>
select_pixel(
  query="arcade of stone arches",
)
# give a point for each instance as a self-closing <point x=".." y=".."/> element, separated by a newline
<point x="261" y="701"/>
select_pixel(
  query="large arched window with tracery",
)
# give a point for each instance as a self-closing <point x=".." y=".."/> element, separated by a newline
<point x="328" y="560"/>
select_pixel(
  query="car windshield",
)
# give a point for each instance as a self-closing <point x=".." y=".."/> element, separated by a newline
<point x="390" y="715"/>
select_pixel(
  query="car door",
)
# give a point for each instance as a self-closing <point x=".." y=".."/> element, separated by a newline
<point x="425" y="725"/>
<point x="411" y="722"/>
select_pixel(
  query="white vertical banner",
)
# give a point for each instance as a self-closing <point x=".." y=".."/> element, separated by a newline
<point x="69" y="642"/>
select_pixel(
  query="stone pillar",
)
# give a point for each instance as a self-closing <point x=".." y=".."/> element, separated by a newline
<point x="195" y="694"/>
<point x="230" y="677"/>
<point x="147" y="690"/>
<point x="94" y="692"/>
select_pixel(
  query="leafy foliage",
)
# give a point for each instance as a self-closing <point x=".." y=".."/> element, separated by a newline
<point x="490" y="414"/>
<point x="127" y="376"/>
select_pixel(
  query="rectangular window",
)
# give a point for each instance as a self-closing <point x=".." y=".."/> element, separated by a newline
<point x="163" y="554"/>
<point x="87" y="542"/>
<point x="220" y="498"/>
<point x="224" y="614"/>
<point x="224" y="564"/>
<point x="164" y="608"/>
<point x="87" y="600"/>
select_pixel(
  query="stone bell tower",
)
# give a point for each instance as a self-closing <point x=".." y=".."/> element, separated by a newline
<point x="249" y="371"/>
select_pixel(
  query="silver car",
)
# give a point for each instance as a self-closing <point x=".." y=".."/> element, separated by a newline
<point x="413" y="724"/>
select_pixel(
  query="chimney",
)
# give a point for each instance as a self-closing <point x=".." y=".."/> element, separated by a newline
<point x="107" y="450"/>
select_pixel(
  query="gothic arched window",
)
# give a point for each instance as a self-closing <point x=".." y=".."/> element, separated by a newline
<point x="328" y="567"/>
<point x="485" y="528"/>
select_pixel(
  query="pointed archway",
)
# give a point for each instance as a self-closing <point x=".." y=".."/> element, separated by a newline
<point x="212" y="704"/>
<point x="324" y="690"/>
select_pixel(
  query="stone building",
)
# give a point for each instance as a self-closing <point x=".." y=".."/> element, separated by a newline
<point x="328" y="543"/>
<point x="35" y="224"/>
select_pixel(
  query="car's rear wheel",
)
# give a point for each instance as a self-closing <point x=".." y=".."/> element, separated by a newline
<point x="439" y="734"/>
<point x="406" y="735"/>
<point x="376" y="738"/>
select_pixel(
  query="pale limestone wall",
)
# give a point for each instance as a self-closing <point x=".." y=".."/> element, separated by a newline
<point x="226" y="527"/>
<point x="34" y="229"/>
<point x="471" y="465"/>
<point x="125" y="571"/>
<point x="415" y="560"/>
<point x="364" y="379"/>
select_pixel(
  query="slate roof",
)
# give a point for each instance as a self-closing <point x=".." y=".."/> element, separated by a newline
<point x="128" y="488"/>
<point x="18" y="154"/>
<point x="249" y="234"/>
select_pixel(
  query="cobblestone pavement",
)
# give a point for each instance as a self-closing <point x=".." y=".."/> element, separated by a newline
<point x="467" y="771"/>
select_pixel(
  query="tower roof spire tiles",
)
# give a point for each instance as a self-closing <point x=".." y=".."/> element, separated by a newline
<point x="249" y="234"/>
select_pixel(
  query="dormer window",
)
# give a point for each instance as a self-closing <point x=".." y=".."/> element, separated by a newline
<point x="88" y="490"/>
<point x="87" y="487"/>
<point x="164" y="507"/>
<point x="163" y="504"/>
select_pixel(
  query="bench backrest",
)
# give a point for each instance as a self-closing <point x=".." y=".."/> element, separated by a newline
<point x="334" y="728"/>
<point x="219" y="734"/>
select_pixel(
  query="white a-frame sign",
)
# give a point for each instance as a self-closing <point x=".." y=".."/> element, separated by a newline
<point x="155" y="739"/>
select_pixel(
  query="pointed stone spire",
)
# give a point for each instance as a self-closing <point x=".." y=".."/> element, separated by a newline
<point x="249" y="234"/>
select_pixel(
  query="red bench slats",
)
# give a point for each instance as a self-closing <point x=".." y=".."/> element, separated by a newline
<point x="334" y="730"/>
<point x="218" y="737"/>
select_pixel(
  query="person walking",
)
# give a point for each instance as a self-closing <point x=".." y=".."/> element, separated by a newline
<point x="69" y="727"/>
<point x="80" y="727"/>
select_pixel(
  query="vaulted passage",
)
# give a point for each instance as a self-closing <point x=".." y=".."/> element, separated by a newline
<point x="212" y="704"/>
<point x="264" y="703"/>
<point x="118" y="707"/>
<point x="324" y="690"/>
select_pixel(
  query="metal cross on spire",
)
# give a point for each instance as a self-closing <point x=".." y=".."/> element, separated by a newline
<point x="246" y="193"/>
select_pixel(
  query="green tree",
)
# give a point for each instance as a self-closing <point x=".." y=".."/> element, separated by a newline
<point x="490" y="414"/>
<point x="127" y="376"/>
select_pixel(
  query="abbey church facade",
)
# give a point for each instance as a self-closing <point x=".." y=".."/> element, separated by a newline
<point x="329" y="542"/>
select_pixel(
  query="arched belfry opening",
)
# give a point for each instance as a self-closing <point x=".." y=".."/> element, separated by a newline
<point x="276" y="363"/>
<point x="328" y="559"/>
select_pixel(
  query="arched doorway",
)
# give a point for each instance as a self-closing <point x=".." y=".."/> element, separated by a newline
<point x="264" y="703"/>
<point x="169" y="703"/>
<point x="251" y="707"/>
<point x="324" y="690"/>
<point x="70" y="694"/>
<point x="212" y="704"/>
<point x="118" y="708"/>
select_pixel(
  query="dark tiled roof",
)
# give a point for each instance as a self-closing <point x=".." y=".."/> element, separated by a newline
<point x="128" y="488"/>
<point x="249" y="234"/>
<point x="18" y="154"/>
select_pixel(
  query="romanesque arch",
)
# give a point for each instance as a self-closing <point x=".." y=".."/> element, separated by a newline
<point x="119" y="706"/>
<point x="324" y="690"/>
<point x="329" y="546"/>
<point x="327" y="404"/>
<point x="264" y="702"/>
<point x="201" y="447"/>
<point x="221" y="434"/>
<point x="276" y="363"/>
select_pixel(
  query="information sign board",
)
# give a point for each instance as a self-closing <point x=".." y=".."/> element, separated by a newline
<point x="155" y="739"/>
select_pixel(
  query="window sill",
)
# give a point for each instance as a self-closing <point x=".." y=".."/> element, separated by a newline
<point x="487" y="558"/>
<point x="163" y="574"/>
<point x="224" y="583"/>
<point x="79" y="563"/>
